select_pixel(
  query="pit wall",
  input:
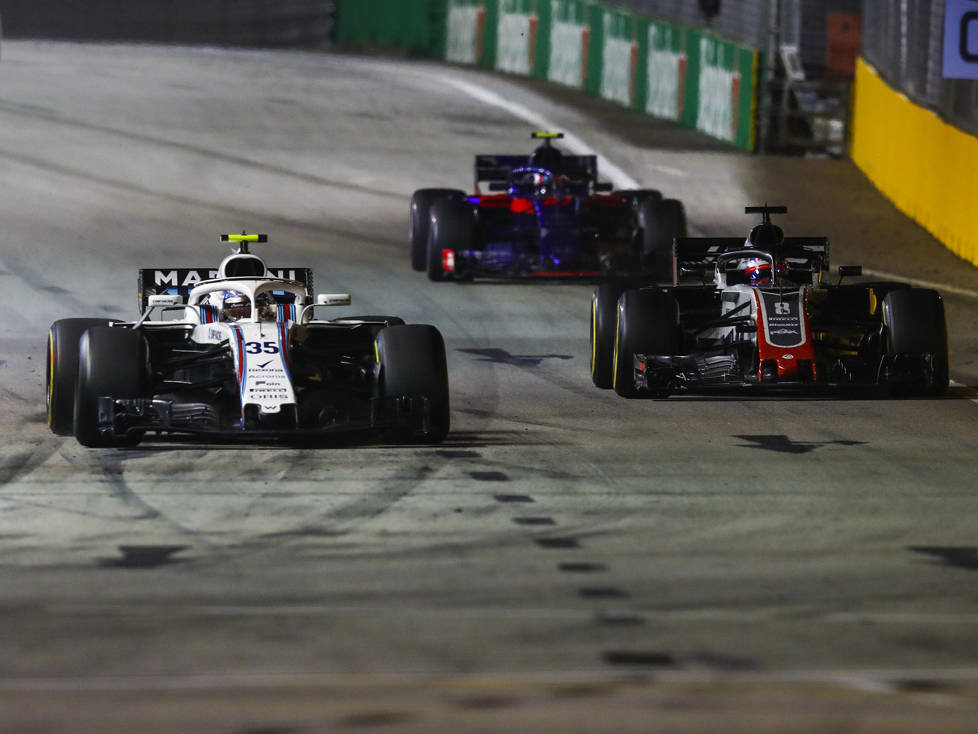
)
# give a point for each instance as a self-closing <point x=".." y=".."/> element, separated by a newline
<point x="924" y="165"/>
<point x="662" y="69"/>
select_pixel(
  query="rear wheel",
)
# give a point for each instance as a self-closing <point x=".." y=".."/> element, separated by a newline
<point x="647" y="323"/>
<point x="62" y="371"/>
<point x="659" y="222"/>
<point x="452" y="227"/>
<point x="111" y="362"/>
<point x="421" y="203"/>
<point x="916" y="342"/>
<point x="413" y="364"/>
<point x="604" y="317"/>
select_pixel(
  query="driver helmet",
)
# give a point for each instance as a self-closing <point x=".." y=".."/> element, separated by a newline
<point x="235" y="306"/>
<point x="758" y="270"/>
<point x="539" y="182"/>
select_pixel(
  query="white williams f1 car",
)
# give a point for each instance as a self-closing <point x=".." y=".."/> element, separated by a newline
<point x="244" y="351"/>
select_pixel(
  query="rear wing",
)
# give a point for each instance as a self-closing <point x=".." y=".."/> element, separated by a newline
<point x="180" y="281"/>
<point x="583" y="168"/>
<point x="691" y="255"/>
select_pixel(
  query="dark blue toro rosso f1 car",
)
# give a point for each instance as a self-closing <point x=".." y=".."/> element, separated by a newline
<point x="542" y="215"/>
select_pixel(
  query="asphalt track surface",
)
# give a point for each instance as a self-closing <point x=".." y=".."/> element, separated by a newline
<point x="567" y="560"/>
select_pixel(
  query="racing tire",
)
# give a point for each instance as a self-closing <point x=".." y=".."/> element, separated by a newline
<point x="62" y="371"/>
<point x="604" y="318"/>
<point x="413" y="364"/>
<point x="647" y="323"/>
<point x="111" y="361"/>
<point x="916" y="328"/>
<point x="659" y="223"/>
<point x="421" y="203"/>
<point x="452" y="227"/>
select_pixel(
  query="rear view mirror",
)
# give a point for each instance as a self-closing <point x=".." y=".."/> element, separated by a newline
<point x="846" y="271"/>
<point x="604" y="186"/>
<point x="333" y="299"/>
<point x="164" y="299"/>
<point x="498" y="186"/>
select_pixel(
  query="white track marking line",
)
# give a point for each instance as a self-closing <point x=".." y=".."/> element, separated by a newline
<point x="615" y="173"/>
<point x="942" y="287"/>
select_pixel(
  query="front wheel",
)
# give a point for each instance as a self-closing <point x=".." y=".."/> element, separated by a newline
<point x="604" y="314"/>
<point x="62" y="371"/>
<point x="111" y="363"/>
<point x="916" y="342"/>
<point x="647" y="323"/>
<point x="413" y="364"/>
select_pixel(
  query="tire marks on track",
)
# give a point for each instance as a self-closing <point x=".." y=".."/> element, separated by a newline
<point x="132" y="187"/>
<point x="34" y="113"/>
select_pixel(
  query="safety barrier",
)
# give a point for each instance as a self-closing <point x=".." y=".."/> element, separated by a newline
<point x="923" y="164"/>
<point x="415" y="26"/>
<point x="665" y="70"/>
<point x="241" y="22"/>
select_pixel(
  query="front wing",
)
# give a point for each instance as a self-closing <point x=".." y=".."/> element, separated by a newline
<point x="117" y="417"/>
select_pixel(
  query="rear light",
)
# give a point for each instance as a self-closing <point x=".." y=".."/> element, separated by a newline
<point x="448" y="260"/>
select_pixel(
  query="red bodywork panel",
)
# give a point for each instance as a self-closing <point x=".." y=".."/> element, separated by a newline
<point x="519" y="205"/>
<point x="783" y="334"/>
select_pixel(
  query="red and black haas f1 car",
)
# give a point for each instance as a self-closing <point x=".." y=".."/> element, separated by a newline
<point x="545" y="215"/>
<point x="757" y="313"/>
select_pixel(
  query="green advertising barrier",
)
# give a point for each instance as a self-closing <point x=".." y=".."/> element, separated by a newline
<point x="416" y="26"/>
<point x="614" y="60"/>
<point x="664" y="70"/>
<point x="564" y="42"/>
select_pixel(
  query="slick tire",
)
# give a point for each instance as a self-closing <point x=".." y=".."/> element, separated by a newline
<point x="62" y="371"/>
<point x="452" y="226"/>
<point x="604" y="318"/>
<point x="659" y="223"/>
<point x="412" y="363"/>
<point x="916" y="327"/>
<point x="111" y="362"/>
<point x="421" y="203"/>
<point x="647" y="323"/>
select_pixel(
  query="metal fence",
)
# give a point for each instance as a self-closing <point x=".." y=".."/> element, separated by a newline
<point x="802" y="23"/>
<point x="223" y="22"/>
<point x="744" y="21"/>
<point x="904" y="41"/>
<point x="808" y="49"/>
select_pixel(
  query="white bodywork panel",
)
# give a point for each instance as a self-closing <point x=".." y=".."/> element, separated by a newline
<point x="260" y="352"/>
<point x="733" y="297"/>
